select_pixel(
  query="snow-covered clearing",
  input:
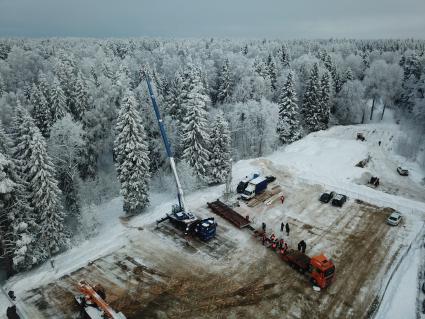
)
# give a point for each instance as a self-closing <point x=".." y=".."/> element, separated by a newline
<point x="233" y="275"/>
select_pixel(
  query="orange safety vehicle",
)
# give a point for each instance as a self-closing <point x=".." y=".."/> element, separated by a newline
<point x="93" y="302"/>
<point x="320" y="269"/>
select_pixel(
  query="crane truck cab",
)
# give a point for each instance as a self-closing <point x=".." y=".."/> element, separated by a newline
<point x="322" y="271"/>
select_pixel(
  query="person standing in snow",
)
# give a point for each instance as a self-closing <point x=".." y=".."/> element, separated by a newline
<point x="281" y="226"/>
<point x="302" y="246"/>
<point x="263" y="226"/>
<point x="287" y="229"/>
<point x="11" y="313"/>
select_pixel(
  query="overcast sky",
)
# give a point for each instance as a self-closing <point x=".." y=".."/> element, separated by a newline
<point x="219" y="18"/>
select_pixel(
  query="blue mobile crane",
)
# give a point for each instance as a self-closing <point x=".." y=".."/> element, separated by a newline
<point x="180" y="216"/>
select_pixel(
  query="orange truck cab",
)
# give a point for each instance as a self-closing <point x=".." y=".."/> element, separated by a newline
<point x="322" y="271"/>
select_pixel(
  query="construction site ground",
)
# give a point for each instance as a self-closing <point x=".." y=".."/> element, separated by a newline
<point x="159" y="275"/>
<point x="151" y="272"/>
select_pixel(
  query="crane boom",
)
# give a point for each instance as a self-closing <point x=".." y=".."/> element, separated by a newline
<point x="183" y="219"/>
<point x="180" y="194"/>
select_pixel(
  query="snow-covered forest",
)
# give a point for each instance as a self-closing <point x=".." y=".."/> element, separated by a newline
<point x="77" y="126"/>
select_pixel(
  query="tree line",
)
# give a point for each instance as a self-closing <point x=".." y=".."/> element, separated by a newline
<point x="76" y="113"/>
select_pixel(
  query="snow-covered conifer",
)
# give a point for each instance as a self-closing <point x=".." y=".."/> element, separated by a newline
<point x="132" y="157"/>
<point x="288" y="126"/>
<point x="2" y="86"/>
<point x="284" y="56"/>
<point x="311" y="103"/>
<point x="271" y="71"/>
<point x="80" y="98"/>
<point x="195" y="141"/>
<point x="325" y="99"/>
<point x="348" y="75"/>
<point x="89" y="152"/>
<point x="37" y="171"/>
<point x="17" y="227"/>
<point x="17" y="220"/>
<point x="174" y="97"/>
<point x="45" y="199"/>
<point x="40" y="111"/>
<point x="58" y="101"/>
<point x="224" y="83"/>
<point x="220" y="150"/>
<point x="44" y="86"/>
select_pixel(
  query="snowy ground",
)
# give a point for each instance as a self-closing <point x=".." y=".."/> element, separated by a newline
<point x="133" y="259"/>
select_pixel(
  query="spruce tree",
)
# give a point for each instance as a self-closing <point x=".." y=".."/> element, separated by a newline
<point x="174" y="97"/>
<point x="132" y="157"/>
<point x="284" y="56"/>
<point x="288" y="125"/>
<point x="17" y="224"/>
<point x="311" y="103"/>
<point x="36" y="170"/>
<point x="220" y="150"/>
<point x="44" y="86"/>
<point x="2" y="87"/>
<point x="195" y="141"/>
<point x="411" y="76"/>
<point x="224" y="83"/>
<point x="271" y="71"/>
<point x="80" y="99"/>
<point x="65" y="73"/>
<point x="348" y="75"/>
<point x="89" y="152"/>
<point x="325" y="100"/>
<point x="58" y="101"/>
<point x="41" y="111"/>
<point x="45" y="199"/>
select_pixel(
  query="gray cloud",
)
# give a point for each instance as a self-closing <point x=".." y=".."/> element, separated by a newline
<point x="222" y="18"/>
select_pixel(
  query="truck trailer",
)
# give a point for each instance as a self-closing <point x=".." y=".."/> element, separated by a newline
<point x="255" y="186"/>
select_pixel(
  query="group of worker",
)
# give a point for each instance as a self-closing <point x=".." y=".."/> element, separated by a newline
<point x="276" y="243"/>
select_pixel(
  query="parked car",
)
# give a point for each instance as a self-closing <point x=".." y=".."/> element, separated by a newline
<point x="339" y="200"/>
<point x="394" y="219"/>
<point x="326" y="197"/>
<point x="402" y="172"/>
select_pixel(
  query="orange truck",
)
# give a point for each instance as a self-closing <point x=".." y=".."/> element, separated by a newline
<point x="320" y="269"/>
